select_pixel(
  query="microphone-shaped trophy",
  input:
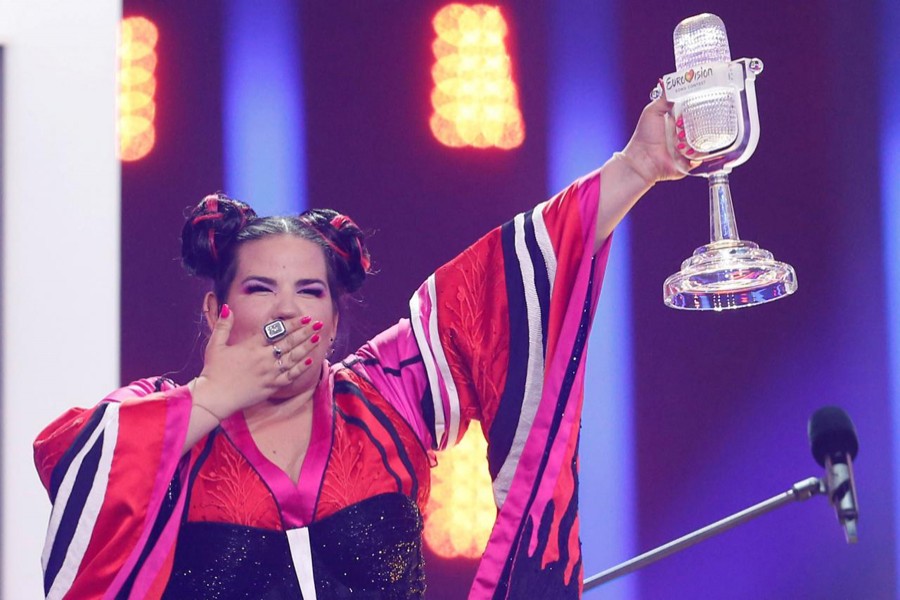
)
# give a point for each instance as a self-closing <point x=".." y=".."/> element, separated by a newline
<point x="715" y="114"/>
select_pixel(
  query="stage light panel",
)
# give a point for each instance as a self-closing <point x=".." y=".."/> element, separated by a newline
<point x="137" y="87"/>
<point x="475" y="100"/>
<point x="461" y="511"/>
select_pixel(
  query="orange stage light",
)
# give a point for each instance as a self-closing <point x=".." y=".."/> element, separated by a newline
<point x="461" y="511"/>
<point x="137" y="86"/>
<point x="475" y="101"/>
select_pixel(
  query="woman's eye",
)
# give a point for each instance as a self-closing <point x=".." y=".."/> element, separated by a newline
<point x="314" y="292"/>
<point x="255" y="289"/>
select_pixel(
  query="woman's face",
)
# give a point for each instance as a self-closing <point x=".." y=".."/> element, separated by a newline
<point x="282" y="277"/>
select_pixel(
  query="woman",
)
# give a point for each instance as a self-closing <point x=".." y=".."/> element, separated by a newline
<point x="275" y="474"/>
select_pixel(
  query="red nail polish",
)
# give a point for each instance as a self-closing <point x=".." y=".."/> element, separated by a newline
<point x="307" y="362"/>
<point x="314" y="338"/>
<point x="225" y="311"/>
<point x="305" y="320"/>
<point x="690" y="151"/>
<point x="681" y="146"/>
<point x="680" y="122"/>
<point x="318" y="325"/>
<point x="681" y="135"/>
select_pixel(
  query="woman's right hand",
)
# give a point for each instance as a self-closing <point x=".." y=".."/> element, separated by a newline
<point x="240" y="375"/>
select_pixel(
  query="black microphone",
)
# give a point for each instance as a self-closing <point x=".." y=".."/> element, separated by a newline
<point x="832" y="437"/>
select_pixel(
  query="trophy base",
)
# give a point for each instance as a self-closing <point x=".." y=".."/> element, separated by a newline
<point x="728" y="274"/>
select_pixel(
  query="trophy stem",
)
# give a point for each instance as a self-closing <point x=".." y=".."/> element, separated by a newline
<point x="722" y="225"/>
<point x="727" y="272"/>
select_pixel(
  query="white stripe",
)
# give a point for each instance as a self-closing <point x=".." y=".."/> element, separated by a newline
<point x="301" y="555"/>
<point x="415" y="311"/>
<point x="544" y="243"/>
<point x="110" y="427"/>
<point x="65" y="488"/>
<point x="441" y="361"/>
<point x="534" y="374"/>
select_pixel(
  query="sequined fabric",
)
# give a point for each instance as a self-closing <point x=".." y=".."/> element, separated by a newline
<point x="369" y="550"/>
<point x="372" y="549"/>
<point x="218" y="561"/>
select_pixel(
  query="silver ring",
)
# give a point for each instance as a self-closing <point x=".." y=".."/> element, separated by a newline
<point x="275" y="330"/>
<point x="277" y="352"/>
<point x="281" y="366"/>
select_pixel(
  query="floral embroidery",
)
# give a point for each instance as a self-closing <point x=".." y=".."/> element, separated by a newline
<point x="357" y="469"/>
<point x="228" y="490"/>
<point x="346" y="482"/>
<point x="480" y="347"/>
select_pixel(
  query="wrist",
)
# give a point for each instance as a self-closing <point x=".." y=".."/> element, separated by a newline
<point x="639" y="163"/>
<point x="208" y="411"/>
<point x="201" y="397"/>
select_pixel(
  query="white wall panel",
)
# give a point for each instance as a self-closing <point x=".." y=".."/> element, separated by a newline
<point x="60" y="246"/>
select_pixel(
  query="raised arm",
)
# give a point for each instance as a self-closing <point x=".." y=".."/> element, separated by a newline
<point x="630" y="173"/>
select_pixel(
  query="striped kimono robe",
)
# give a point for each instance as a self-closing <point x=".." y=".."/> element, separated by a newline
<point x="498" y="334"/>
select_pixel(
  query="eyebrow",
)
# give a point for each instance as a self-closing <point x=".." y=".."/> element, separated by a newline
<point x="272" y="282"/>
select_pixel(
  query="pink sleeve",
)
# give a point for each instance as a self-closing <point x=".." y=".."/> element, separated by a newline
<point x="392" y="362"/>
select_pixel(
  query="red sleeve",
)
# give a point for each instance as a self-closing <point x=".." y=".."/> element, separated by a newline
<point x="488" y="321"/>
<point x="502" y="331"/>
<point x="107" y="470"/>
<point x="54" y="440"/>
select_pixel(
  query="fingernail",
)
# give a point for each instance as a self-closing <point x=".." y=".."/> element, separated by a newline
<point x="315" y="338"/>
<point x="307" y="362"/>
<point x="305" y="320"/>
<point x="681" y="145"/>
<point x="318" y="325"/>
<point x="690" y="151"/>
<point x="681" y="135"/>
<point x="680" y="122"/>
<point x="225" y="311"/>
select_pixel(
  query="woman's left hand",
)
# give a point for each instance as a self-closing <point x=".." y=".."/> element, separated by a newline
<point x="649" y="149"/>
<point x="643" y="162"/>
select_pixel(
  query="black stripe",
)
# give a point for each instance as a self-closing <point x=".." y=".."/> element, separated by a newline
<point x="565" y="390"/>
<point x="541" y="277"/>
<point x="567" y="522"/>
<point x="345" y="387"/>
<point x="388" y="425"/>
<point x="159" y="382"/>
<point x="84" y="481"/>
<point x="427" y="403"/>
<point x="62" y="467"/>
<point x="503" y="429"/>
<point x="204" y="454"/>
<point x="328" y="459"/>
<point x="362" y="425"/>
<point x="162" y="517"/>
<point x="164" y="514"/>
<point x="395" y="372"/>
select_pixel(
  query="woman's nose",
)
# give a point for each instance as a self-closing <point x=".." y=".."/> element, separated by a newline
<point x="287" y="306"/>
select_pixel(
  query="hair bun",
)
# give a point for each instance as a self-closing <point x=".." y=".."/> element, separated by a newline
<point x="209" y="230"/>
<point x="346" y="241"/>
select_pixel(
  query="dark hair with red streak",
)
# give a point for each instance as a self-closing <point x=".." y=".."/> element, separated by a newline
<point x="217" y="227"/>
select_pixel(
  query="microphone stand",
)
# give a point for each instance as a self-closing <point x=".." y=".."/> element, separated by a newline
<point x="802" y="490"/>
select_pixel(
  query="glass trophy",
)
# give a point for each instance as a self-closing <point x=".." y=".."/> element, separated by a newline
<point x="715" y="121"/>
